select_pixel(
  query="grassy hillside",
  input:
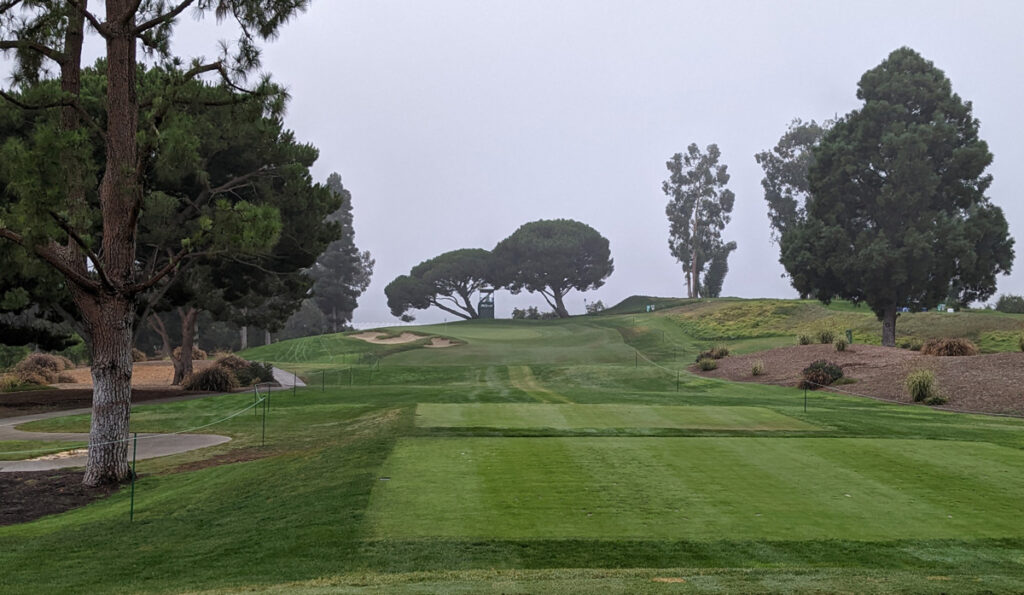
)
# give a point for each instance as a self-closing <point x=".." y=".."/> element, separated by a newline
<point x="550" y="456"/>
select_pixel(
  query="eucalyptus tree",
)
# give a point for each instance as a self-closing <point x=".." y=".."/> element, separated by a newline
<point x="80" y="214"/>
<point x="698" y="210"/>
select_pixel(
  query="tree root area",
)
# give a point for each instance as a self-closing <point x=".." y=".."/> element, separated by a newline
<point x="29" y="495"/>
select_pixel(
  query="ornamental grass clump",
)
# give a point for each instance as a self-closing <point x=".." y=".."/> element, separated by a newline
<point x="757" y="368"/>
<point x="706" y="364"/>
<point x="949" y="347"/>
<point x="840" y="344"/>
<point x="803" y="339"/>
<point x="820" y="373"/>
<point x="41" y="368"/>
<point x="921" y="385"/>
<point x="213" y="379"/>
<point x="826" y="336"/>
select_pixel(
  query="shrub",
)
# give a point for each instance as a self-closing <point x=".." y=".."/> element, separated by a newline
<point x="757" y="369"/>
<point x="138" y="355"/>
<point x="707" y="364"/>
<point x="949" y="347"/>
<point x="197" y="353"/>
<point x="826" y="336"/>
<point x="38" y="368"/>
<point x="65" y="378"/>
<point x="921" y="385"/>
<point x="935" y="400"/>
<point x="840" y="344"/>
<point x="911" y="343"/>
<point x="1011" y="304"/>
<point x="803" y="339"/>
<point x="1020" y="342"/>
<point x="232" y="362"/>
<point x="716" y="352"/>
<point x="65" y="362"/>
<point x="254" y="372"/>
<point x="820" y="373"/>
<point x="8" y="382"/>
<point x="214" y="378"/>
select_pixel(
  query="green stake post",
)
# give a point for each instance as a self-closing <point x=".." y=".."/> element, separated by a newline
<point x="135" y="450"/>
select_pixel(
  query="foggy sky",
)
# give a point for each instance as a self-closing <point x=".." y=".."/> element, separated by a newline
<point x="452" y="123"/>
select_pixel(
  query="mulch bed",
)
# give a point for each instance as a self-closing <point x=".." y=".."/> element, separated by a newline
<point x="983" y="383"/>
<point x="29" y="495"/>
<point x="41" y="401"/>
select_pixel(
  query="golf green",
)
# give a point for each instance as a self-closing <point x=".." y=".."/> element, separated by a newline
<point x="577" y="416"/>
<point x="698" y="488"/>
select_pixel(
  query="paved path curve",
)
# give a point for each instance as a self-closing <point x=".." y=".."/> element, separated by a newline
<point x="150" y="445"/>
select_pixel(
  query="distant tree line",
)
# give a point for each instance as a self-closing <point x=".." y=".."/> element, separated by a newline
<point x="549" y="257"/>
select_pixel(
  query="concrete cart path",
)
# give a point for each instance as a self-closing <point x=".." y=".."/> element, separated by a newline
<point x="150" y="445"/>
<point x="286" y="379"/>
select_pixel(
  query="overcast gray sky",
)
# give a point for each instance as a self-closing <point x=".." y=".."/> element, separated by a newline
<point x="454" y="122"/>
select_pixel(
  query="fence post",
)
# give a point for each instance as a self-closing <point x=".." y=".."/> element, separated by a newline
<point x="135" y="450"/>
<point x="266" y="404"/>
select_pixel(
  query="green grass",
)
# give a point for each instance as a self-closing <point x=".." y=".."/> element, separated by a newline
<point x="698" y="489"/>
<point x="16" y="450"/>
<point x="574" y="417"/>
<point x="497" y="450"/>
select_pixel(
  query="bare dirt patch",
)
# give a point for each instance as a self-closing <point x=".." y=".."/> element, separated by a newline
<point x="41" y="401"/>
<point x="240" y="455"/>
<point x="986" y="383"/>
<point x="144" y="374"/>
<point x="383" y="339"/>
<point x="29" y="495"/>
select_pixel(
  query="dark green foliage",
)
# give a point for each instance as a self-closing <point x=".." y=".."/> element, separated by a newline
<point x="803" y="339"/>
<point x="840" y="344"/>
<point x="1011" y="304"/>
<point x="447" y="281"/>
<point x="820" y="373"/>
<point x="949" y="347"/>
<point x="785" y="173"/>
<point x="936" y="400"/>
<point x="921" y="385"/>
<point x="716" y="352"/>
<point x="897" y="213"/>
<point x="253" y="373"/>
<point x="718" y="268"/>
<point x="342" y="273"/>
<point x="213" y="379"/>
<point x="552" y="257"/>
<point x="698" y="210"/>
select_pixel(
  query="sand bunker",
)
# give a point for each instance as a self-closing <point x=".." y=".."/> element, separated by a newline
<point x="374" y="337"/>
<point x="438" y="343"/>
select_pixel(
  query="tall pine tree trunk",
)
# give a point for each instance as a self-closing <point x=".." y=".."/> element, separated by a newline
<point x="560" y="305"/>
<point x="243" y="338"/>
<point x="110" y="316"/>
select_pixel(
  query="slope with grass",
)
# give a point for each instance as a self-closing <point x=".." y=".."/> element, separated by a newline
<point x="558" y="456"/>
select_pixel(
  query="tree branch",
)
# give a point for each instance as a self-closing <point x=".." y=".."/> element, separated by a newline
<point x="101" y="28"/>
<point x="449" y="310"/>
<point x="25" y="44"/>
<point x="170" y="266"/>
<point x="163" y="18"/>
<point x="54" y="260"/>
<point x="63" y="223"/>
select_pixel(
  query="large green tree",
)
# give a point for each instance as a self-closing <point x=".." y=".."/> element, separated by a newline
<point x="80" y="215"/>
<point x="342" y="273"/>
<point x="698" y="210"/>
<point x="785" y="173"/>
<point x="897" y="212"/>
<point x="553" y="257"/>
<point x="447" y="281"/>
